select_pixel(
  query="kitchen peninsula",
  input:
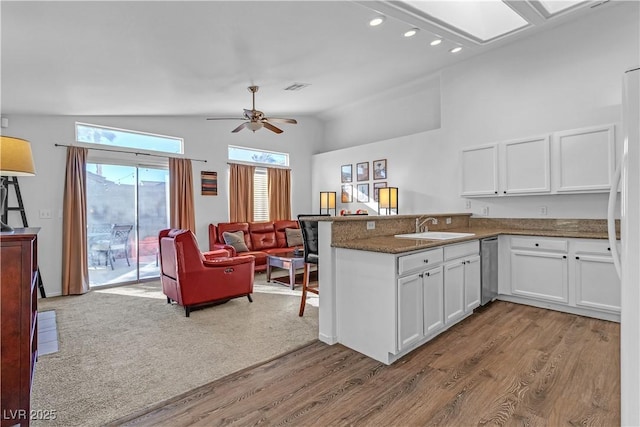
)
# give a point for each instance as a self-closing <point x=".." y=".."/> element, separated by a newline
<point x="384" y="296"/>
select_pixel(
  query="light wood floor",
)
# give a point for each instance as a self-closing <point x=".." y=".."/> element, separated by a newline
<point x="508" y="365"/>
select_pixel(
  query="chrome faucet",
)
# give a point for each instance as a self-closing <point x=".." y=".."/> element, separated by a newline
<point x="420" y="227"/>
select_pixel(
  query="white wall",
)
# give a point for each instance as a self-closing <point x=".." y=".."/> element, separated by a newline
<point x="568" y="77"/>
<point x="203" y="140"/>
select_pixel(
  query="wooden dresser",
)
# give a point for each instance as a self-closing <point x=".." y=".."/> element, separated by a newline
<point x="18" y="323"/>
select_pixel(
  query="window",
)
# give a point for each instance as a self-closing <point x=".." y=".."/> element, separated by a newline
<point x="94" y="134"/>
<point x="260" y="181"/>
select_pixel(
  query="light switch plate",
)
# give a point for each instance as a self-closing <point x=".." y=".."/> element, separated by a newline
<point x="46" y="214"/>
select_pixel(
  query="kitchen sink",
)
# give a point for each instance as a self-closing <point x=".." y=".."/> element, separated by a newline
<point x="434" y="235"/>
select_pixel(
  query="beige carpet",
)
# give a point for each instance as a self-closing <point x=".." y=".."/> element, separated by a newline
<point x="123" y="349"/>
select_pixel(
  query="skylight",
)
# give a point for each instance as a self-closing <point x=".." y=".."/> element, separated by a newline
<point x="555" y="6"/>
<point x="483" y="20"/>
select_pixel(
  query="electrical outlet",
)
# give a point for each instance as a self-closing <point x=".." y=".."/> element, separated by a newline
<point x="485" y="211"/>
<point x="371" y="225"/>
<point x="543" y="210"/>
<point x="46" y="214"/>
<point x="467" y="204"/>
<point x="448" y="220"/>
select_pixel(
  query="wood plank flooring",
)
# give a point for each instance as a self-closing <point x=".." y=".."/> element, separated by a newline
<point x="508" y="364"/>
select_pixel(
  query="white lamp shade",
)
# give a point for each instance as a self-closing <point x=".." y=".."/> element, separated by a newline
<point x="254" y="126"/>
<point x="15" y="157"/>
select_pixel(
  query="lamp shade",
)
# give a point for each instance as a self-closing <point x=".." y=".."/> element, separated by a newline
<point x="388" y="199"/>
<point x="15" y="157"/>
<point x="327" y="201"/>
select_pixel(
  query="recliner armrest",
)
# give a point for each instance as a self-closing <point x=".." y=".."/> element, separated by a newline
<point x="228" y="248"/>
<point x="227" y="262"/>
<point x="218" y="253"/>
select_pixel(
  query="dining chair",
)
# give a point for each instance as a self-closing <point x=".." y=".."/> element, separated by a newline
<point x="309" y="229"/>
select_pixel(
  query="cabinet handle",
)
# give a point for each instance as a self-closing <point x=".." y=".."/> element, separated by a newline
<point x="577" y="257"/>
<point x="428" y="274"/>
<point x="495" y="192"/>
<point x="537" y="244"/>
<point x="421" y="275"/>
<point x="505" y="192"/>
<point x="426" y="261"/>
<point x="608" y="249"/>
<point x="564" y="257"/>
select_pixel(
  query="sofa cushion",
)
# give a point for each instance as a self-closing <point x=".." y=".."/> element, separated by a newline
<point x="294" y="237"/>
<point x="233" y="227"/>
<point x="235" y="239"/>
<point x="280" y="226"/>
<point x="263" y="235"/>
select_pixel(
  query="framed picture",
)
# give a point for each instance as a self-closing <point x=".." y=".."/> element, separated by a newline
<point x="376" y="187"/>
<point x="346" y="195"/>
<point x="380" y="169"/>
<point x="209" y="183"/>
<point x="346" y="172"/>
<point x="362" y="171"/>
<point x="363" y="193"/>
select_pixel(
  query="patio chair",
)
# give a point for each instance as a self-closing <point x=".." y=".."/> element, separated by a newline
<point x="116" y="244"/>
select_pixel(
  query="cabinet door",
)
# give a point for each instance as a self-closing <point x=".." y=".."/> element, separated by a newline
<point x="479" y="167"/>
<point x="433" y="302"/>
<point x="526" y="166"/>
<point x="541" y="275"/>
<point x="585" y="159"/>
<point x="453" y="291"/>
<point x="597" y="283"/>
<point x="409" y="310"/>
<point x="471" y="283"/>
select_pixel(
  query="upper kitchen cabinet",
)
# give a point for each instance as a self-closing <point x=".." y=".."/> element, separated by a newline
<point x="509" y="168"/>
<point x="584" y="159"/>
<point x="480" y="171"/>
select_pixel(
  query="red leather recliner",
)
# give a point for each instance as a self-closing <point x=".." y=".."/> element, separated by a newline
<point x="190" y="277"/>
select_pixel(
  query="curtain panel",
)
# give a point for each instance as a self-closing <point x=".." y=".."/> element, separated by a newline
<point x="181" y="208"/>
<point x="279" y="188"/>
<point x="241" y="192"/>
<point x="75" y="265"/>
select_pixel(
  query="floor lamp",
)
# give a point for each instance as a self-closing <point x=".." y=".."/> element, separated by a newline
<point x="15" y="160"/>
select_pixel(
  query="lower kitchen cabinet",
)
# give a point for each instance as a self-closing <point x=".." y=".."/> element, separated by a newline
<point x="453" y="291"/>
<point x="573" y="275"/>
<point x="472" y="285"/>
<point x="433" y="301"/>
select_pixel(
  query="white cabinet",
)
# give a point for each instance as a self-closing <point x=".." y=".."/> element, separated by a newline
<point x="410" y="310"/>
<point x="433" y="301"/>
<point x="471" y="283"/>
<point x="584" y="159"/>
<point x="453" y="291"/>
<point x="572" y="275"/>
<point x="509" y="168"/>
<point x="596" y="280"/>
<point x="539" y="269"/>
<point x="526" y="166"/>
<point x="479" y="171"/>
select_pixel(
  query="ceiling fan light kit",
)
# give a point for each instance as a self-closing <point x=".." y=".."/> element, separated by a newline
<point x="255" y="119"/>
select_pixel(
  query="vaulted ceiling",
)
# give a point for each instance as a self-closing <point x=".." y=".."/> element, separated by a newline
<point x="197" y="58"/>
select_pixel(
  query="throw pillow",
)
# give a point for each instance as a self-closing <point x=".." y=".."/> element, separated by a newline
<point x="235" y="239"/>
<point x="294" y="237"/>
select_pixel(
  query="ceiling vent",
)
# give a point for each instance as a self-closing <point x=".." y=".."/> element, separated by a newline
<point x="297" y="86"/>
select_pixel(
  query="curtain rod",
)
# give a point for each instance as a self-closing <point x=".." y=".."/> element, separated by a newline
<point x="129" y="152"/>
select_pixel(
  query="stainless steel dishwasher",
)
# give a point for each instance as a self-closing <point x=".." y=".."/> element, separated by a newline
<point x="489" y="269"/>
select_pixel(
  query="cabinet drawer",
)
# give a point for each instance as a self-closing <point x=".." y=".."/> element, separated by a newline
<point x="461" y="250"/>
<point x="412" y="262"/>
<point x="594" y="247"/>
<point x="543" y="243"/>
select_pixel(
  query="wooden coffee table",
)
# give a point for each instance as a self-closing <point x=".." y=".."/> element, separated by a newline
<point x="289" y="261"/>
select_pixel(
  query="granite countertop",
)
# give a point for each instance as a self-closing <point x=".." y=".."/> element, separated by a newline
<point x="395" y="245"/>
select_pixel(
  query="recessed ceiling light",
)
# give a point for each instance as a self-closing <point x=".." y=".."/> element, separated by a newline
<point x="412" y="32"/>
<point x="436" y="42"/>
<point x="376" y="21"/>
<point x="455" y="49"/>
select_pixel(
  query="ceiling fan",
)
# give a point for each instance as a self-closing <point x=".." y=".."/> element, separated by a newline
<point x="255" y="119"/>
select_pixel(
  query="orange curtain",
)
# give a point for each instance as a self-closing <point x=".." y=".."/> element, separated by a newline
<point x="182" y="212"/>
<point x="75" y="266"/>
<point x="241" y="193"/>
<point x="279" y="193"/>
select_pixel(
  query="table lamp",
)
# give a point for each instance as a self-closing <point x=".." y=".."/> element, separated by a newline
<point x="388" y="200"/>
<point x="15" y="160"/>
<point x="327" y="202"/>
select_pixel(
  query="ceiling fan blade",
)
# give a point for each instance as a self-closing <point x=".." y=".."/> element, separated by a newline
<point x="281" y="120"/>
<point x="226" y="118"/>
<point x="239" y="128"/>
<point x="271" y="127"/>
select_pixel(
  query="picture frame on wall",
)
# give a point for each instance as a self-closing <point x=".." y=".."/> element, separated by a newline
<point x="380" y="169"/>
<point x="362" y="171"/>
<point x="346" y="193"/>
<point x="346" y="173"/>
<point x="376" y="187"/>
<point x="363" y="193"/>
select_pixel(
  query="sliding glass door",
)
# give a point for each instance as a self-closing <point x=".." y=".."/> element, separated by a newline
<point x="126" y="208"/>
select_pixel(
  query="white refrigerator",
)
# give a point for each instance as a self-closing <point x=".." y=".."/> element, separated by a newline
<point x="629" y="260"/>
